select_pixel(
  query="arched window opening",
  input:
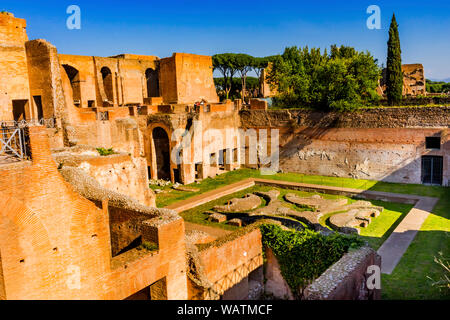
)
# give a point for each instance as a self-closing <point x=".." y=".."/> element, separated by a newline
<point x="75" y="82"/>
<point x="152" y="80"/>
<point x="162" y="150"/>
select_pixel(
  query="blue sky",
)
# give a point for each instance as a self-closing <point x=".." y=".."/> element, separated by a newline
<point x="259" y="28"/>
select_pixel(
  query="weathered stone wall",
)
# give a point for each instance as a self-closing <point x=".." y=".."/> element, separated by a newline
<point x="275" y="284"/>
<point x="87" y="79"/>
<point x="14" y="84"/>
<point x="374" y="144"/>
<point x="211" y="132"/>
<point x="45" y="77"/>
<point x="434" y="117"/>
<point x="392" y="155"/>
<point x="413" y="80"/>
<point x="120" y="173"/>
<point x="228" y="262"/>
<point x="344" y="280"/>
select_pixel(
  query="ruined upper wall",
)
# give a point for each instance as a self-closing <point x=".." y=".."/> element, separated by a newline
<point x="136" y="57"/>
<point x="45" y="77"/>
<point x="14" y="84"/>
<point x="433" y="117"/>
<point x="13" y="30"/>
<point x="413" y="80"/>
<point x="187" y="78"/>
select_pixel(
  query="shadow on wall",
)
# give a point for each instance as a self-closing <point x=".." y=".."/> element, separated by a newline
<point x="369" y="155"/>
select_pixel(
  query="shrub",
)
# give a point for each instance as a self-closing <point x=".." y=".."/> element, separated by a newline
<point x="105" y="152"/>
<point x="149" y="246"/>
<point x="304" y="255"/>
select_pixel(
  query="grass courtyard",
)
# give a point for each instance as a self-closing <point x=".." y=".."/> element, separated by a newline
<point x="410" y="278"/>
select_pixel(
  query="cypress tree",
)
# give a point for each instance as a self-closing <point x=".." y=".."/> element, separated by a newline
<point x="394" y="74"/>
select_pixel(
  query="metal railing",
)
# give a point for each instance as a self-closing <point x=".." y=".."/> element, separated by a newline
<point x="232" y="278"/>
<point x="48" y="123"/>
<point x="14" y="141"/>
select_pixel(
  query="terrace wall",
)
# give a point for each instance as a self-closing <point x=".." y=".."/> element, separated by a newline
<point x="374" y="144"/>
<point x="227" y="264"/>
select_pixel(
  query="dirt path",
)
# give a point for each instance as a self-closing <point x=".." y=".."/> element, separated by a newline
<point x="213" y="232"/>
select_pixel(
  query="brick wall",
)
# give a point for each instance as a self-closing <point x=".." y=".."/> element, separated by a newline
<point x="227" y="264"/>
<point x="13" y="65"/>
<point x="54" y="235"/>
<point x="385" y="144"/>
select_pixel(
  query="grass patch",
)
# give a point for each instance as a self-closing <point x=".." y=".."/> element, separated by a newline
<point x="409" y="279"/>
<point x="149" y="246"/>
<point x="171" y="196"/>
<point x="381" y="227"/>
<point x="197" y="215"/>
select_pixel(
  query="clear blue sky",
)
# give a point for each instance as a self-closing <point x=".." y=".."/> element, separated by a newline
<point x="257" y="27"/>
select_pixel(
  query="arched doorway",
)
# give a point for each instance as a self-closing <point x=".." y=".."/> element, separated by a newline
<point x="162" y="153"/>
<point x="152" y="80"/>
<point x="74" y="77"/>
<point x="108" y="83"/>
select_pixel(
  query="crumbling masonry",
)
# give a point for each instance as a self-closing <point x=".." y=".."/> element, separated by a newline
<point x="76" y="225"/>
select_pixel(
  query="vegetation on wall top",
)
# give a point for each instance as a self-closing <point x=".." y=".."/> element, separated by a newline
<point x="304" y="255"/>
<point x="105" y="152"/>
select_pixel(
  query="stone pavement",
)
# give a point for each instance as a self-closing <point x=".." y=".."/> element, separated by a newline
<point x="392" y="249"/>
<point x="398" y="242"/>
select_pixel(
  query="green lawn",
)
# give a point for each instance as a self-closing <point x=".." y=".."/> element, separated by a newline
<point x="375" y="234"/>
<point x="171" y="196"/>
<point x="381" y="227"/>
<point x="409" y="279"/>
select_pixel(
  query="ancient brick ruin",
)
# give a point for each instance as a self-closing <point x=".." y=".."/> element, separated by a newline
<point x="91" y="221"/>
<point x="414" y="83"/>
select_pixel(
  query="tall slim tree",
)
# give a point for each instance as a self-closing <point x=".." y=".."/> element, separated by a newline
<point x="394" y="74"/>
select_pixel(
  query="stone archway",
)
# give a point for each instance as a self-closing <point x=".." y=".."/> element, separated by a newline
<point x="162" y="153"/>
<point x="108" y="84"/>
<point x="74" y="76"/>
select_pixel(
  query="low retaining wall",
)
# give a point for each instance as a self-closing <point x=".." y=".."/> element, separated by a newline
<point x="347" y="278"/>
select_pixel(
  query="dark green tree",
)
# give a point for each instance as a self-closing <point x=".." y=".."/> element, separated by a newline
<point x="243" y="64"/>
<point x="394" y="74"/>
<point x="343" y="80"/>
<point x="226" y="64"/>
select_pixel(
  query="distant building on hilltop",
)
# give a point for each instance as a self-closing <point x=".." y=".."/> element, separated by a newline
<point x="413" y="80"/>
